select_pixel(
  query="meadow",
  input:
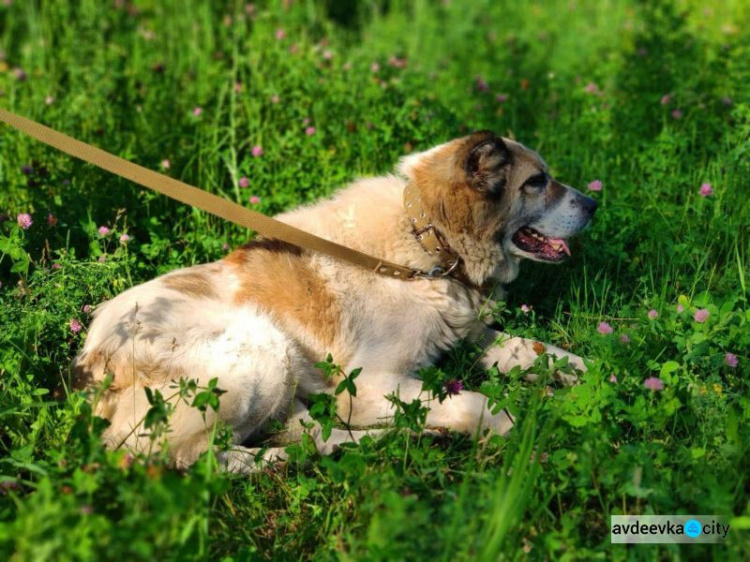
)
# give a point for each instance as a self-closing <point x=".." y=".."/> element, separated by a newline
<point x="643" y="105"/>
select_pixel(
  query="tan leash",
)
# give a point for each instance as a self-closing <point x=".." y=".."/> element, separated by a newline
<point x="227" y="210"/>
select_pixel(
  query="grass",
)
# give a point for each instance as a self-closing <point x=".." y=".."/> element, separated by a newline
<point x="651" y="98"/>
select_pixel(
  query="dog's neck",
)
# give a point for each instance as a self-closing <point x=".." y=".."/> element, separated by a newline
<point x="427" y="234"/>
<point x="447" y="262"/>
<point x="463" y="259"/>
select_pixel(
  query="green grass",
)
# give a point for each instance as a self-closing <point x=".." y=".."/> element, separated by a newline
<point x="128" y="80"/>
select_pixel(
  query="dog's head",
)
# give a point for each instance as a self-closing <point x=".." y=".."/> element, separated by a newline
<point x="495" y="202"/>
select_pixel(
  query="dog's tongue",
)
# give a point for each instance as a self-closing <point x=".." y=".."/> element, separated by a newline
<point x="561" y="242"/>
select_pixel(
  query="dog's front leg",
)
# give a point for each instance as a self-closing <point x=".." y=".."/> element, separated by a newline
<point x="508" y="351"/>
<point x="466" y="412"/>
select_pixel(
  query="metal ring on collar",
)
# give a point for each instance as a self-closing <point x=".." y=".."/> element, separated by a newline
<point x="437" y="272"/>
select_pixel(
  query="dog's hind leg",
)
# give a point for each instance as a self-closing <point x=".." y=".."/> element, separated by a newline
<point x="246" y="460"/>
<point x="156" y="342"/>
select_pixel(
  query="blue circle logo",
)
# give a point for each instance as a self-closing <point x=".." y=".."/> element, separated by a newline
<point x="693" y="528"/>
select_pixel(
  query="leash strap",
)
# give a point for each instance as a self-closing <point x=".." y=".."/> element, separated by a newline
<point x="227" y="210"/>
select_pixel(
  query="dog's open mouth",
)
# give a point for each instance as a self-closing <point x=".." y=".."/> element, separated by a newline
<point x="542" y="247"/>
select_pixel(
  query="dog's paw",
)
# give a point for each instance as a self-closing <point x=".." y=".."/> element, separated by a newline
<point x="566" y="377"/>
<point x="438" y="434"/>
<point x="243" y="460"/>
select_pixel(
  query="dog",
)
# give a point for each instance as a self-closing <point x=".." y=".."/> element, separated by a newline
<point x="260" y="319"/>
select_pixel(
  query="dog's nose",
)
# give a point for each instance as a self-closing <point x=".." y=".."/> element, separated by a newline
<point x="586" y="204"/>
<point x="589" y="205"/>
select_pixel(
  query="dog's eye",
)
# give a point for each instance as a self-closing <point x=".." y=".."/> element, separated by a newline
<point x="536" y="183"/>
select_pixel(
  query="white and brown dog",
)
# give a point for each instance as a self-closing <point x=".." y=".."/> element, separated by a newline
<point x="261" y="318"/>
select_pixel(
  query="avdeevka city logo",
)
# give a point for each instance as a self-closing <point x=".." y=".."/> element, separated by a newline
<point x="641" y="529"/>
<point x="693" y="528"/>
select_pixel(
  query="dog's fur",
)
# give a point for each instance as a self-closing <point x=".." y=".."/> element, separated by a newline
<point x="260" y="319"/>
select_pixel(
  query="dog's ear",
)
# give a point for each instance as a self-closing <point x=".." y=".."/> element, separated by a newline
<point x="487" y="166"/>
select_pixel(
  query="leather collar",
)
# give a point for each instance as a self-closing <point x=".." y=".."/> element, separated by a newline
<point x="432" y="241"/>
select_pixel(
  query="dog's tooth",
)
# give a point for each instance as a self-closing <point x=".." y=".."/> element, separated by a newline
<point x="559" y="245"/>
